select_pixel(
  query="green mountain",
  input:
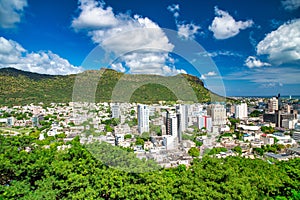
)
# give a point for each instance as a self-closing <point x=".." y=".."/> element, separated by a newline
<point x="19" y="87"/>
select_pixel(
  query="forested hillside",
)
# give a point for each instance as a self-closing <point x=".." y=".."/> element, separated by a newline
<point x="19" y="87"/>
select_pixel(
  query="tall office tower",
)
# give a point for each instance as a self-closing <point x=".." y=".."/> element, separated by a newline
<point x="171" y="124"/>
<point x="115" y="111"/>
<point x="205" y="122"/>
<point x="241" y="111"/>
<point x="179" y="128"/>
<point x="183" y="119"/>
<point x="279" y="102"/>
<point x="143" y="118"/>
<point x="273" y="104"/>
<point x="217" y="113"/>
<point x="277" y="118"/>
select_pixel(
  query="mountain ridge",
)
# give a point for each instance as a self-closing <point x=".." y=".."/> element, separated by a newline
<point x="22" y="87"/>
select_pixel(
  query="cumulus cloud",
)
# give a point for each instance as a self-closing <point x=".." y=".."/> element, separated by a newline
<point x="140" y="42"/>
<point x="12" y="54"/>
<point x="11" y="12"/>
<point x="252" y="62"/>
<point x="225" y="26"/>
<point x="90" y="15"/>
<point x="290" y="5"/>
<point x="187" y="30"/>
<point x="283" y="44"/>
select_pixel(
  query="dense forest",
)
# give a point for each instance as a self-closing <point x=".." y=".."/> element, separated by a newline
<point x="48" y="173"/>
<point x="20" y="87"/>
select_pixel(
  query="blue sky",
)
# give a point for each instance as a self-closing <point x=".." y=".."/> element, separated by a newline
<point x="252" y="46"/>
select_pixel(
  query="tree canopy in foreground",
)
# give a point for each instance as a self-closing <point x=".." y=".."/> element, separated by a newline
<point x="75" y="174"/>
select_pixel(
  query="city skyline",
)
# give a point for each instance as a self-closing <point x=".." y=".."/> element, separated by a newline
<point x="254" y="45"/>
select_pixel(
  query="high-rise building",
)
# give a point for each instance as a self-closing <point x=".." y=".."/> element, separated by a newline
<point x="143" y="118"/>
<point x="171" y="124"/>
<point x="273" y="105"/>
<point x="241" y="111"/>
<point x="217" y="113"/>
<point x="115" y="111"/>
<point x="205" y="122"/>
<point x="182" y="114"/>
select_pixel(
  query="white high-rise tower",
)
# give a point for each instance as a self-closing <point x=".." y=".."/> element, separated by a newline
<point x="143" y="118"/>
<point x="241" y="111"/>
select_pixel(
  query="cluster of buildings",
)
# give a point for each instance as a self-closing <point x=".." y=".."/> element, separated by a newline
<point x="167" y="127"/>
<point x="280" y="115"/>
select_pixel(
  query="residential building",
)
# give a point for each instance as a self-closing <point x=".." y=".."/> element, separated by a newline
<point x="171" y="124"/>
<point x="143" y="118"/>
<point x="205" y="122"/>
<point x="183" y="119"/>
<point x="273" y="105"/>
<point x="241" y="111"/>
<point x="115" y="111"/>
<point x="217" y="113"/>
<point x="170" y="142"/>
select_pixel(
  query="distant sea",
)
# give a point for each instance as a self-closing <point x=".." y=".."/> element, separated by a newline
<point x="283" y="96"/>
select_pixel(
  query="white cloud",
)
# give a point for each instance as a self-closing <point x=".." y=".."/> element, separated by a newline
<point x="291" y="4"/>
<point x="225" y="26"/>
<point x="187" y="30"/>
<point x="252" y="62"/>
<point x="12" y="54"/>
<point x="142" y="44"/>
<point x="174" y="8"/>
<point x="90" y="15"/>
<point x="208" y="74"/>
<point x="219" y="53"/>
<point x="283" y="44"/>
<point x="11" y="12"/>
<point x="118" y="67"/>
<point x="212" y="73"/>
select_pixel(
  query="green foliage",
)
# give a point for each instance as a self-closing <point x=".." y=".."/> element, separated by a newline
<point x="217" y="150"/>
<point x="194" y="152"/>
<point x="127" y="136"/>
<point x="34" y="134"/>
<point x="233" y="122"/>
<point x="132" y="112"/>
<point x="237" y="149"/>
<point x="238" y="135"/>
<point x="145" y="136"/>
<point x="132" y="123"/>
<point x="260" y="151"/>
<point x="139" y="141"/>
<point x="61" y="135"/>
<point x="274" y="148"/>
<point x="108" y="128"/>
<point x="198" y="143"/>
<point x="226" y="135"/>
<point x="71" y="124"/>
<point x="155" y="129"/>
<point x="101" y="171"/>
<point x="255" y="113"/>
<point x="267" y="129"/>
